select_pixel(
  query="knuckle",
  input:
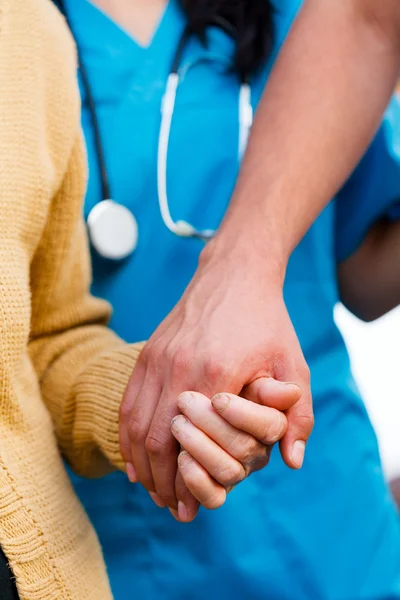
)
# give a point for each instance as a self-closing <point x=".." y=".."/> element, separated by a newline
<point x="144" y="354"/>
<point x="231" y="475"/>
<point x="169" y="351"/>
<point x="306" y="422"/>
<point x="259" y="463"/>
<point x="158" y="443"/>
<point x="125" y="410"/>
<point x="255" y="452"/>
<point x="150" y="353"/>
<point x="154" y="445"/>
<point x="180" y="361"/>
<point x="214" y="370"/>
<point x="154" y="357"/>
<point x="168" y="498"/>
<point x="215" y="500"/>
<point x="274" y="430"/>
<point x="248" y="448"/>
<point x="136" y="431"/>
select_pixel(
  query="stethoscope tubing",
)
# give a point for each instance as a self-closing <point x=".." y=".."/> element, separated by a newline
<point x="179" y="228"/>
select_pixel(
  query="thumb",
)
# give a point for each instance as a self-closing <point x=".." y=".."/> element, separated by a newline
<point x="273" y="393"/>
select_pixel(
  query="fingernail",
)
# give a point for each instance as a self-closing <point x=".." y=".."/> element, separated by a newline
<point x="131" y="472"/>
<point x="183" y="513"/>
<point x="157" y="500"/>
<point x="184" y="460"/>
<point x="289" y="384"/>
<point x="294" y="388"/>
<point x="185" y="400"/>
<point x="220" y="402"/>
<point x="298" y="452"/>
<point x="177" y="423"/>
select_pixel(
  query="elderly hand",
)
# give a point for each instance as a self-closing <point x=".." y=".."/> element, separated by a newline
<point x="230" y="328"/>
<point x="225" y="439"/>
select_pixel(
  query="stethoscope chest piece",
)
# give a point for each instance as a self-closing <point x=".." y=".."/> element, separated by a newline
<point x="113" y="230"/>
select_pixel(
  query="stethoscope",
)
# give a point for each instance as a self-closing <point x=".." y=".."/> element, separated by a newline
<point x="112" y="227"/>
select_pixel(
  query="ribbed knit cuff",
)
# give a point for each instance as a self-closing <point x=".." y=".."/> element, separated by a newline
<point x="100" y="391"/>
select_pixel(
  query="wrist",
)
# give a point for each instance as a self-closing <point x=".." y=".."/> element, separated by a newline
<point x="248" y="254"/>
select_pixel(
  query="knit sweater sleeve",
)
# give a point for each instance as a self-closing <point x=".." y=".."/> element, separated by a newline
<point x="83" y="368"/>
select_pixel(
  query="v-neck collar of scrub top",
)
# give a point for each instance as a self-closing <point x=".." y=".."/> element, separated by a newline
<point x="105" y="45"/>
<point x="115" y="38"/>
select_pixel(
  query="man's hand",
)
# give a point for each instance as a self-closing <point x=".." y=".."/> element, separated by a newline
<point x="230" y="328"/>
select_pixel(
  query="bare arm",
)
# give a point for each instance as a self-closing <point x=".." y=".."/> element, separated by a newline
<point x="320" y="109"/>
<point x="369" y="280"/>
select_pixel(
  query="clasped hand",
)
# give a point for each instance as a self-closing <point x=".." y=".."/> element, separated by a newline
<point x="223" y="441"/>
<point x="230" y="333"/>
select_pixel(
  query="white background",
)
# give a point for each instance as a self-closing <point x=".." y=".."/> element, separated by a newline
<point x="375" y="353"/>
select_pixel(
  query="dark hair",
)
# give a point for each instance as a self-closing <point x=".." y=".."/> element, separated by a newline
<point x="252" y="20"/>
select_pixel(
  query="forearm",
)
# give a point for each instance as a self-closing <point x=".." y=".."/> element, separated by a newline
<point x="320" y="110"/>
<point x="83" y="374"/>
<point x="369" y="281"/>
<point x="81" y="366"/>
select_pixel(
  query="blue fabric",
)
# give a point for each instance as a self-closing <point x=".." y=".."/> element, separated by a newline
<point x="373" y="190"/>
<point x="394" y="213"/>
<point x="329" y="532"/>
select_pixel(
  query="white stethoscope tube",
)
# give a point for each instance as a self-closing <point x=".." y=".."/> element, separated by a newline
<point x="112" y="227"/>
<point x="245" y="118"/>
<point x="183" y="228"/>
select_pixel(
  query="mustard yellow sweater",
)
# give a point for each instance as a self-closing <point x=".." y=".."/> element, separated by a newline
<point x="62" y="373"/>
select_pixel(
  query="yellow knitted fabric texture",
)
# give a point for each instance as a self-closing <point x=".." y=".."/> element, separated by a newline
<point x="62" y="373"/>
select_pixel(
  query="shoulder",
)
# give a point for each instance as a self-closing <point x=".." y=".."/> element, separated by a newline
<point x="36" y="22"/>
<point x="38" y="73"/>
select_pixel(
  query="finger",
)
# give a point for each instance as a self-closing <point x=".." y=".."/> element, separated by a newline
<point x="300" y="424"/>
<point x="125" y="411"/>
<point x="162" y="450"/>
<point x="266" y="424"/>
<point x="188" y="506"/>
<point x="273" y="393"/>
<point x="220" y="465"/>
<point x="240" y="445"/>
<point x="207" y="491"/>
<point x="139" y="425"/>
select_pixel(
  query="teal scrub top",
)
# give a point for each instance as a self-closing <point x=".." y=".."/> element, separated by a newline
<point x="330" y="531"/>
